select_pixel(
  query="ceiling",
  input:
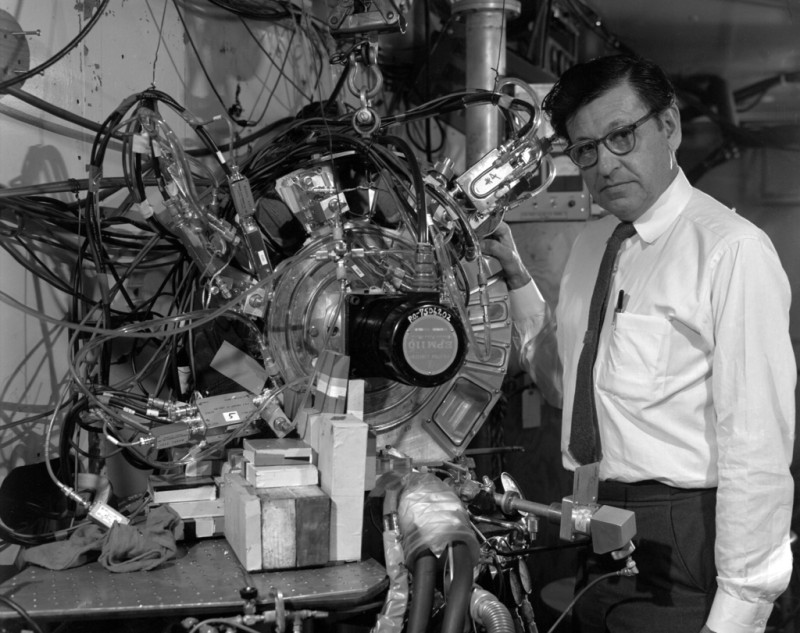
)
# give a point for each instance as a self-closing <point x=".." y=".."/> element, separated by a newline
<point x="747" y="43"/>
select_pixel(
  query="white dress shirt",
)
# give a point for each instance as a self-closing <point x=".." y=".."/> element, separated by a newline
<point x="694" y="378"/>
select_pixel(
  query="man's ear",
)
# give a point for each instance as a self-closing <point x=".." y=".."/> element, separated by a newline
<point x="672" y="126"/>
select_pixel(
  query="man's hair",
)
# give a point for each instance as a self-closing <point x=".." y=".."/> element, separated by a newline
<point x="584" y="82"/>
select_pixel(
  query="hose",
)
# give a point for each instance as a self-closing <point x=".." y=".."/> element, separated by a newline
<point x="458" y="595"/>
<point x="424" y="576"/>
<point x="486" y="610"/>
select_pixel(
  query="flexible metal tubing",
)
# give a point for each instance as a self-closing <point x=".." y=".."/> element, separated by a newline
<point x="492" y="614"/>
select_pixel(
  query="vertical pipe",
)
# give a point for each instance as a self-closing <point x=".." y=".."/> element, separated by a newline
<point x="485" y="22"/>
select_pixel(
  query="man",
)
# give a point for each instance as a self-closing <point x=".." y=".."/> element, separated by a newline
<point x="694" y="373"/>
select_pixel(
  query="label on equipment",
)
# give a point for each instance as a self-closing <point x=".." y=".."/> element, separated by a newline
<point x="430" y="344"/>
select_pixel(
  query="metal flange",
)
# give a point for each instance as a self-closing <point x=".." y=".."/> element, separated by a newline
<point x="512" y="7"/>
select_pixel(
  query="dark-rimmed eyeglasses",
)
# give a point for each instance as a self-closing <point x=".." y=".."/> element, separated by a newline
<point x="619" y="141"/>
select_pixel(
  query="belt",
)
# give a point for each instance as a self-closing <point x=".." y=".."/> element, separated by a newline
<point x="650" y="490"/>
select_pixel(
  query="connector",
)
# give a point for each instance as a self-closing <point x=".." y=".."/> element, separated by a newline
<point x="105" y="515"/>
<point x="424" y="268"/>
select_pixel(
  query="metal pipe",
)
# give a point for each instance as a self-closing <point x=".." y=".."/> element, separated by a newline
<point x="510" y="502"/>
<point x="485" y="22"/>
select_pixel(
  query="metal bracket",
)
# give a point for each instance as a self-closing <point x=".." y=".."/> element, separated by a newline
<point x="384" y="17"/>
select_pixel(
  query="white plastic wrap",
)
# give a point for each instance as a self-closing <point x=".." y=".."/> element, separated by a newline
<point x="431" y="516"/>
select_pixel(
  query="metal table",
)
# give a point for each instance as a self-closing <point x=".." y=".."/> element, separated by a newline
<point x="204" y="579"/>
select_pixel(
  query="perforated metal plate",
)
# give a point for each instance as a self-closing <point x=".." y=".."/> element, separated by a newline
<point x="205" y="578"/>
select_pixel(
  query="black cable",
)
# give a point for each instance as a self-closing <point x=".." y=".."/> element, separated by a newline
<point x="197" y="55"/>
<point x="579" y="595"/>
<point x="72" y="44"/>
<point x="274" y="63"/>
<point x="418" y="182"/>
<point x="48" y="107"/>
<point x="21" y="612"/>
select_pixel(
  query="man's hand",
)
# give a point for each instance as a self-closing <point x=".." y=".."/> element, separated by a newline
<point x="501" y="246"/>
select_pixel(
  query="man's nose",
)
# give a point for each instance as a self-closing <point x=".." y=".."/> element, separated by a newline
<point x="606" y="159"/>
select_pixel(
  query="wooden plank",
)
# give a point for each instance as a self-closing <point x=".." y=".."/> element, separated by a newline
<point x="278" y="529"/>
<point x="242" y="520"/>
<point x="276" y="452"/>
<point x="342" y="468"/>
<point x="313" y="527"/>
<point x="281" y="476"/>
<point x="195" y="509"/>
<point x="347" y="525"/>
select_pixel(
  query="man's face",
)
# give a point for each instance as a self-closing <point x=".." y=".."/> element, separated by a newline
<point x="627" y="185"/>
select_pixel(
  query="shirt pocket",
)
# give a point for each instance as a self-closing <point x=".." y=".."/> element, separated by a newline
<point x="635" y="365"/>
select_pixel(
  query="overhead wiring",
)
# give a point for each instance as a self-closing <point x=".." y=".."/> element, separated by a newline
<point x="73" y="43"/>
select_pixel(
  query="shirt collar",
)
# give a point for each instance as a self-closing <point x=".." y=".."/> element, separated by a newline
<point x="670" y="204"/>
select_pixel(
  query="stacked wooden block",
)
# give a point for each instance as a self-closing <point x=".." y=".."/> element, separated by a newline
<point x="340" y="442"/>
<point x="194" y="495"/>
<point x="276" y="516"/>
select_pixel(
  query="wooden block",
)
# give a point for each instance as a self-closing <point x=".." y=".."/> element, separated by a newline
<point x="301" y="412"/>
<point x="281" y="476"/>
<point x="355" y="398"/>
<point x="242" y="520"/>
<point x="203" y="468"/>
<point x="278" y="525"/>
<point x="336" y="393"/>
<point x="322" y="373"/>
<point x="169" y="488"/>
<point x="313" y="510"/>
<point x="347" y="514"/>
<point x="371" y="465"/>
<point x="342" y="467"/>
<point x="276" y="528"/>
<point x="295" y="527"/>
<point x="209" y="527"/>
<point x="196" y="509"/>
<point x="342" y="454"/>
<point x="311" y="436"/>
<point x="276" y="452"/>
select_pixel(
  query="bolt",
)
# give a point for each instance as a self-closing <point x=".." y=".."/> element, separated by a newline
<point x="364" y="116"/>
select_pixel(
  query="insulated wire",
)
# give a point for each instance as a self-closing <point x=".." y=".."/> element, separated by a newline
<point x="21" y="612"/>
<point x="579" y="595"/>
<point x="71" y="45"/>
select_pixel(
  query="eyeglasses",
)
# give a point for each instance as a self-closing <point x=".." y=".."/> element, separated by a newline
<point x="619" y="141"/>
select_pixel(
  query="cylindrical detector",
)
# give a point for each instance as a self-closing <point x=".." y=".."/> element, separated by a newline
<point x="412" y="339"/>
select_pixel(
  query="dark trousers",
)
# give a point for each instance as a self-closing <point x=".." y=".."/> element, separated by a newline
<point x="676" y="583"/>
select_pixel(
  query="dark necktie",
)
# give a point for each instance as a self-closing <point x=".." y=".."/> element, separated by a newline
<point x="584" y="442"/>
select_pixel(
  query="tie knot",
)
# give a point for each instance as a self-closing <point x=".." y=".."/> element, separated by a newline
<point x="623" y="231"/>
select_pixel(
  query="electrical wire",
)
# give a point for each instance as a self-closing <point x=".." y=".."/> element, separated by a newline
<point x="11" y="604"/>
<point x="190" y="39"/>
<point x="580" y="595"/>
<point x="18" y="79"/>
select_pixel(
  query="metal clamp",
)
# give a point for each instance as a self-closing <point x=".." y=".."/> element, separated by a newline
<point x="365" y="119"/>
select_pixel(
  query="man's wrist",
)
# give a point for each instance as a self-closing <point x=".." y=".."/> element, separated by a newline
<point x="518" y="280"/>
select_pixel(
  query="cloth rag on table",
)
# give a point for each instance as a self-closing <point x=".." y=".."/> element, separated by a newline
<point x="122" y="548"/>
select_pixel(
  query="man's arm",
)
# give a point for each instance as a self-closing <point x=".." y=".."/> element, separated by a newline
<point x="753" y="381"/>
<point x="534" y="324"/>
<point x="502" y="247"/>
